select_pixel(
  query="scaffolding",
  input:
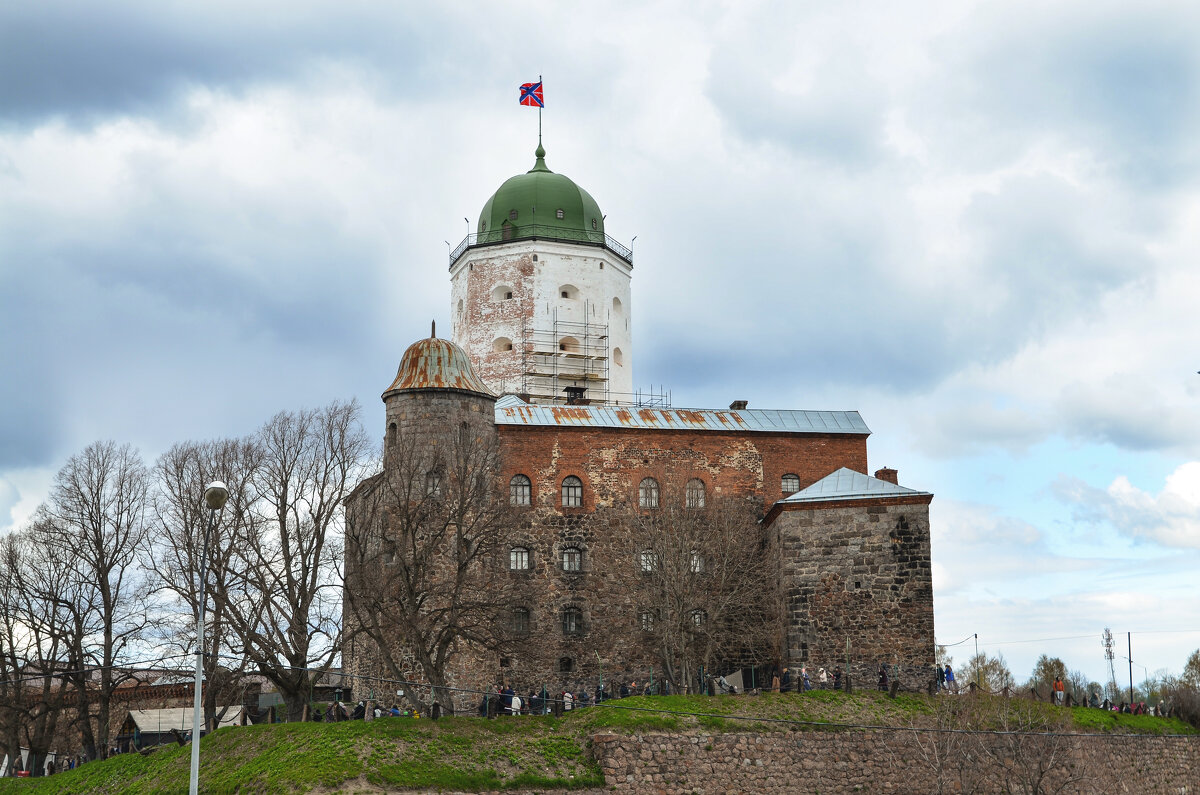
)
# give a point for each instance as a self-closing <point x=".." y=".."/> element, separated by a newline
<point x="566" y="363"/>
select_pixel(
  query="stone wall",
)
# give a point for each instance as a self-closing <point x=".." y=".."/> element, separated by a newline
<point x="858" y="582"/>
<point x="897" y="762"/>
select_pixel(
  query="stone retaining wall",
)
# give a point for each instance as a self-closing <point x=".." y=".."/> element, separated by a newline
<point x="898" y="762"/>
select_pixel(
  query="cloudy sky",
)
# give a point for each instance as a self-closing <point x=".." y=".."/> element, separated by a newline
<point x="974" y="223"/>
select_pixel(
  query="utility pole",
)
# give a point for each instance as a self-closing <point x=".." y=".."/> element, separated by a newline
<point x="1129" y="640"/>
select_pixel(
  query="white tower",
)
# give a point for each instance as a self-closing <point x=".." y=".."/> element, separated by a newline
<point x="540" y="294"/>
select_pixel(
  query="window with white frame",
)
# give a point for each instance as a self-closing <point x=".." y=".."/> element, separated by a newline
<point x="518" y="559"/>
<point x="648" y="493"/>
<point x="519" y="490"/>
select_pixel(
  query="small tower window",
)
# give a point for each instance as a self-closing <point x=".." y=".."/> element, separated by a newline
<point x="790" y="484"/>
<point x="572" y="492"/>
<point x="518" y="559"/>
<point x="648" y="493"/>
<point x="558" y="214"/>
<point x="572" y="621"/>
<point x="482" y="227"/>
<point x="572" y="559"/>
<point x="616" y="306"/>
<point x="519" y="490"/>
<point x="512" y="215"/>
<point x="593" y="223"/>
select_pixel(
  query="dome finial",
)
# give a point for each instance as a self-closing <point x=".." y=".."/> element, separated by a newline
<point x="540" y="154"/>
<point x="433" y="329"/>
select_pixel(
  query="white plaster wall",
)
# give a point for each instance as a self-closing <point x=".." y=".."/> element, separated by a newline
<point x="558" y="264"/>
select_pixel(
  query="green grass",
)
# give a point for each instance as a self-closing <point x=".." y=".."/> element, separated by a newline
<point x="544" y="753"/>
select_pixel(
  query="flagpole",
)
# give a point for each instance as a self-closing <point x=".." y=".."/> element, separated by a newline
<point x="540" y="114"/>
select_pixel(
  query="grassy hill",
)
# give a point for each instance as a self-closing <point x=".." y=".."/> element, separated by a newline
<point x="544" y="753"/>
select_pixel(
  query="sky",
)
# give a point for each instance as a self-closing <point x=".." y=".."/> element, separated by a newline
<point x="975" y="223"/>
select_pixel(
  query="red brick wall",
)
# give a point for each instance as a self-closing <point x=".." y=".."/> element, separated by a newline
<point x="612" y="461"/>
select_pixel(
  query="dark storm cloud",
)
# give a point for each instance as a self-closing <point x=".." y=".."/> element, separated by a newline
<point x="81" y="61"/>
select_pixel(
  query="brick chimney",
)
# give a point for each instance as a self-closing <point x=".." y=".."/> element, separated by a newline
<point x="888" y="474"/>
<point x="738" y="405"/>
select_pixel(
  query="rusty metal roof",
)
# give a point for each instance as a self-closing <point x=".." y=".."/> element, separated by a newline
<point x="436" y="364"/>
<point x="511" y="410"/>
<point x="846" y="484"/>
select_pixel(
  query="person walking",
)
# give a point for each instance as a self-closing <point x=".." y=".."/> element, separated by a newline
<point x="941" y="677"/>
<point x="951" y="685"/>
<point x="1059" y="691"/>
<point x="823" y="678"/>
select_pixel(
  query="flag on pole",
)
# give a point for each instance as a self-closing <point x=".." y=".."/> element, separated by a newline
<point x="531" y="95"/>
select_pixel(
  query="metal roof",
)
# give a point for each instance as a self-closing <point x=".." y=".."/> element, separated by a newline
<point x="436" y="364"/>
<point x="846" y="484"/>
<point x="511" y="410"/>
<point x="179" y="718"/>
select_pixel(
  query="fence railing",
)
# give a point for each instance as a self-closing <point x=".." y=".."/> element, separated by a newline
<point x="513" y="233"/>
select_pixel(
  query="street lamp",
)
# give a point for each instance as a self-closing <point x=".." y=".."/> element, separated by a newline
<point x="214" y="498"/>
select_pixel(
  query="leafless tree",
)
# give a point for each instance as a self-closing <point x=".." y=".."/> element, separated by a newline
<point x="1028" y="747"/>
<point x="424" y="542"/>
<point x="90" y="531"/>
<point x="284" y="600"/>
<point x="175" y="554"/>
<point x="33" y="643"/>
<point x="706" y="581"/>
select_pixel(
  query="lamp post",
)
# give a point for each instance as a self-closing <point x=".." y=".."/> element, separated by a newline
<point x="214" y="498"/>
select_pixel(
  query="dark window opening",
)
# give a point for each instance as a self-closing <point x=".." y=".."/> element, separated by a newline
<point x="565" y="665"/>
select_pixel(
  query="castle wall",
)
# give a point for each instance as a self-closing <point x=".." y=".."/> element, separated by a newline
<point x="899" y="761"/>
<point x="859" y="571"/>
<point x="611" y="462"/>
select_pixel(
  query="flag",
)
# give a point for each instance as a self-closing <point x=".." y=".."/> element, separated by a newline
<point x="531" y="95"/>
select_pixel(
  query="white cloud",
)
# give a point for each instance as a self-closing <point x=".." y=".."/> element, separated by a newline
<point x="1170" y="518"/>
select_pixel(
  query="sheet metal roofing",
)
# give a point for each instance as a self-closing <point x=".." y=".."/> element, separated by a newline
<point x="178" y="718"/>
<point x="846" y="484"/>
<point x="436" y="364"/>
<point x="511" y="410"/>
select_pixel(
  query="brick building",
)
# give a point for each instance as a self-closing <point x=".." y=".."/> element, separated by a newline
<point x="541" y="362"/>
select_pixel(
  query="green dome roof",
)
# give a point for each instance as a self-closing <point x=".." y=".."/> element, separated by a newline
<point x="529" y="205"/>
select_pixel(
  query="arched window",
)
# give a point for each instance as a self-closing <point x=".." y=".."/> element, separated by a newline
<point x="572" y="492"/>
<point x="568" y="291"/>
<point x="647" y="560"/>
<point x="502" y="293"/>
<point x="694" y="494"/>
<point x="433" y="483"/>
<point x="572" y="621"/>
<point x="616" y="306"/>
<point x="391" y="434"/>
<point x="648" y="493"/>
<point x="618" y="357"/>
<point x="698" y="618"/>
<point x="520" y="621"/>
<point x="569" y="345"/>
<point x="460" y="306"/>
<point x="501" y="344"/>
<point x="519" y="490"/>
<point x="518" y="559"/>
<point x="646" y="619"/>
<point x="695" y="562"/>
<point x="565" y="665"/>
<point x="790" y="484"/>
<point x="559" y="214"/>
<point x="572" y="559"/>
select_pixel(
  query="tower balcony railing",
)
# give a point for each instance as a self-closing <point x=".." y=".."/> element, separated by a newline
<point x="514" y="233"/>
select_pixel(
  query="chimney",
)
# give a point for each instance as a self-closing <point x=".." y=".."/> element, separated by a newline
<point x="738" y="405"/>
<point x="888" y="474"/>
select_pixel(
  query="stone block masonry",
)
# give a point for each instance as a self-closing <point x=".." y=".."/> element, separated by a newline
<point x="899" y="761"/>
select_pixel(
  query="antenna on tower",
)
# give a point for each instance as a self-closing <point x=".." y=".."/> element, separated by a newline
<point x="1108" y="656"/>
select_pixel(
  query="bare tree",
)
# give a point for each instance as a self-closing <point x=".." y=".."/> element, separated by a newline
<point x="176" y="551"/>
<point x="990" y="673"/>
<point x="33" y="644"/>
<point x="92" y="528"/>
<point x="1029" y="748"/>
<point x="706" y="582"/>
<point x="284" y="602"/>
<point x="423" y="547"/>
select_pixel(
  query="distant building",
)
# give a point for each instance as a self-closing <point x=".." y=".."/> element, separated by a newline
<point x="542" y="356"/>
